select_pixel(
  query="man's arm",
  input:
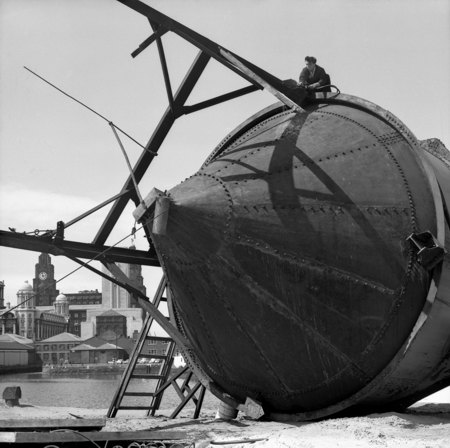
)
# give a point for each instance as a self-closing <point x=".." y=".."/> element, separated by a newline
<point x="304" y="76"/>
<point x="320" y="78"/>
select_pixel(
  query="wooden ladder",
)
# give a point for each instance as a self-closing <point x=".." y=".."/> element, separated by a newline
<point x="185" y="392"/>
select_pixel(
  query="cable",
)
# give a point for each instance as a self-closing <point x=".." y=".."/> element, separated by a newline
<point x="79" y="433"/>
<point x="136" y="188"/>
<point x="92" y="110"/>
<point x="133" y="232"/>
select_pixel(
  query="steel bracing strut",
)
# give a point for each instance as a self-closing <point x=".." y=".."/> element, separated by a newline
<point x="257" y="77"/>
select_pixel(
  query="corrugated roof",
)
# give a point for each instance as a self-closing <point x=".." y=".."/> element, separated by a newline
<point x="126" y="343"/>
<point x="16" y="338"/>
<point x="13" y="345"/>
<point x="82" y="347"/>
<point x="95" y="341"/>
<point x="63" y="337"/>
<point x="109" y="346"/>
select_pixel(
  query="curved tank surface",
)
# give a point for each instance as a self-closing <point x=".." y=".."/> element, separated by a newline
<point x="306" y="260"/>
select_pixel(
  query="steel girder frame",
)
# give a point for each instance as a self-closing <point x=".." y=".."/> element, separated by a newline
<point x="153" y="146"/>
<point x="245" y="69"/>
<point x="76" y="249"/>
<point x="161" y="24"/>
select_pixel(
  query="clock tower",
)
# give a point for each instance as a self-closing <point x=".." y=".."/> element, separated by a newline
<point x="44" y="283"/>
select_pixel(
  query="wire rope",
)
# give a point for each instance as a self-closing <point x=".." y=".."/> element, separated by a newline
<point x="92" y="110"/>
<point x="131" y="234"/>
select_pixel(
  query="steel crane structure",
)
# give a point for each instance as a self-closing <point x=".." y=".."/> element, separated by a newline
<point x="307" y="258"/>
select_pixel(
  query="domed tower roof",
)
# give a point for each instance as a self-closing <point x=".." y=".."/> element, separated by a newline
<point x="62" y="298"/>
<point x="26" y="296"/>
<point x="26" y="287"/>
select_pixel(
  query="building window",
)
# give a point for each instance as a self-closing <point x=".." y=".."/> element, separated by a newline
<point x="45" y="356"/>
<point x="54" y="347"/>
<point x="62" y="346"/>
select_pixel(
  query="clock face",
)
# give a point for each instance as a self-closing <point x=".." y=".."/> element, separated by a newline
<point x="43" y="275"/>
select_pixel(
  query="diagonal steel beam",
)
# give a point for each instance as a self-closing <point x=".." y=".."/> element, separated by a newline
<point x="203" y="43"/>
<point x="153" y="144"/>
<point x="218" y="99"/>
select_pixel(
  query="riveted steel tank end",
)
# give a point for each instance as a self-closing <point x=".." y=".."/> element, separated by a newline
<point x="154" y="207"/>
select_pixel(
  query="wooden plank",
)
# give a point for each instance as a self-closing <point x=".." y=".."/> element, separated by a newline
<point x="75" y="423"/>
<point x="61" y="436"/>
<point x="263" y="82"/>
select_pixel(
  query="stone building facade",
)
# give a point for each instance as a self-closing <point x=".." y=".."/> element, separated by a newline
<point x="111" y="325"/>
<point x="56" y="349"/>
<point x="8" y="322"/>
<point x="44" y="313"/>
<point x="34" y="323"/>
<point x="85" y="297"/>
<point x="120" y="301"/>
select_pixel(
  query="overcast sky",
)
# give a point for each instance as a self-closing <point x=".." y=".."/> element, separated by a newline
<point x="58" y="159"/>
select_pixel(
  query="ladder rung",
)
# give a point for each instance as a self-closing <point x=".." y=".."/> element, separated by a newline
<point x="142" y="355"/>
<point x="148" y="375"/>
<point x="136" y="408"/>
<point x="139" y="394"/>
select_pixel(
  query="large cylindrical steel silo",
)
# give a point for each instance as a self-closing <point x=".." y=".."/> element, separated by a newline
<point x="307" y="261"/>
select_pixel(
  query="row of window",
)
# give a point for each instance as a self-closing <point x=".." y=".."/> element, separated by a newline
<point x="89" y="301"/>
<point x="54" y="347"/>
<point x="152" y="341"/>
<point x="155" y="342"/>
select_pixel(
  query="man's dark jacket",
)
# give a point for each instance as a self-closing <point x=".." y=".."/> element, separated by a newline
<point x="319" y="76"/>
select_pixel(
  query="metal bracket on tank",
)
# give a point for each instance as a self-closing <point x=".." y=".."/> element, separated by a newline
<point x="156" y="203"/>
<point x="429" y="252"/>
